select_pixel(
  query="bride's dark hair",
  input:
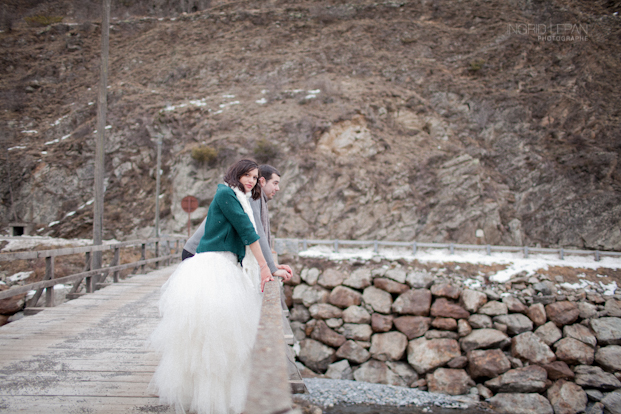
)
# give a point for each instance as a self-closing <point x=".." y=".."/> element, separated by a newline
<point x="237" y="170"/>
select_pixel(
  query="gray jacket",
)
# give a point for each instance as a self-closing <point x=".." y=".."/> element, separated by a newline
<point x="193" y="241"/>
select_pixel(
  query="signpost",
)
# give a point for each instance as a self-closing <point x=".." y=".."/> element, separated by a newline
<point x="189" y="204"/>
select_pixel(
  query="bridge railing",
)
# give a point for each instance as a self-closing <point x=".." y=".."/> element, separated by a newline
<point x="452" y="247"/>
<point x="162" y="250"/>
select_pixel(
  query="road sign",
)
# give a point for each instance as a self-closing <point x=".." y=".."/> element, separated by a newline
<point x="189" y="204"/>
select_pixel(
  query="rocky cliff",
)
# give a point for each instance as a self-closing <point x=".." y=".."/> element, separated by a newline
<point x="473" y="122"/>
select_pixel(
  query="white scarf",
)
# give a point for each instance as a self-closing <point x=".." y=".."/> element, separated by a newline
<point x="249" y="264"/>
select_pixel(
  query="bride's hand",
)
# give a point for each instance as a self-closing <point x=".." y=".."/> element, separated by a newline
<point x="266" y="276"/>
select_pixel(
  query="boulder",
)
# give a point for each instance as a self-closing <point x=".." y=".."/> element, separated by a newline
<point x="483" y="339"/>
<point x="463" y="328"/>
<point x="331" y="278"/>
<point x="587" y="310"/>
<point x="528" y="379"/>
<point x="425" y="355"/>
<point x="310" y="276"/>
<point x="316" y="355"/>
<point x="390" y="285"/>
<point x="388" y="346"/>
<point x="398" y="275"/>
<point x="487" y="363"/>
<point x="449" y="381"/>
<point x="14" y="304"/>
<point x="537" y="314"/>
<point x="298" y="330"/>
<point x="549" y="333"/>
<point x="484" y="392"/>
<point x="613" y="308"/>
<point x="446" y="290"/>
<point x="447" y="324"/>
<point x="594" y="395"/>
<point x="562" y="313"/>
<point x="514" y="305"/>
<point x="340" y="370"/>
<point x="344" y="297"/>
<point x="379" y="300"/>
<point x="472" y="300"/>
<point x="353" y="352"/>
<point x="359" y="278"/>
<point x="612" y="402"/>
<point x="435" y="334"/>
<point x="581" y="333"/>
<point x="567" y="398"/>
<point x="594" y="377"/>
<point x="381" y="323"/>
<point x="324" y="334"/>
<point x="558" y="370"/>
<point x="516" y="323"/>
<point x="607" y="330"/>
<point x="419" y="280"/>
<point x="356" y="314"/>
<point x="480" y="321"/>
<point x="324" y="311"/>
<point x="412" y="326"/>
<point x="299" y="313"/>
<point x="529" y="347"/>
<point x="378" y="372"/>
<point x="458" y="362"/>
<point x="445" y="308"/>
<point x="511" y="403"/>
<point x="356" y="331"/>
<point x="413" y="302"/>
<point x="609" y="357"/>
<point x="493" y="308"/>
<point x="574" y="352"/>
<point x="313" y="294"/>
<point x="404" y="370"/>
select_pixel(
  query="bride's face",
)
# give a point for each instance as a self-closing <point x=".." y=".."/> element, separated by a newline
<point x="249" y="179"/>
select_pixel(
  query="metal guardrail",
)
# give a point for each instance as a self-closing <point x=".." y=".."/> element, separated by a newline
<point x="90" y="275"/>
<point x="597" y="254"/>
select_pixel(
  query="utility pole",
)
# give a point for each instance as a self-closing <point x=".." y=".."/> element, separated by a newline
<point x="102" y="104"/>
<point x="157" y="186"/>
<point x="157" y="198"/>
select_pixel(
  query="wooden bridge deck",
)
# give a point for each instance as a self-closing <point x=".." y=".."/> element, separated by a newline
<point x="87" y="355"/>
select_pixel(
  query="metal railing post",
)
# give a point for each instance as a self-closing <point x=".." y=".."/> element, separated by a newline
<point x="375" y="246"/>
<point x="143" y="255"/>
<point x="489" y="250"/>
<point x="414" y="248"/>
<point x="336" y="245"/>
<point x="526" y="252"/>
<point x="452" y="248"/>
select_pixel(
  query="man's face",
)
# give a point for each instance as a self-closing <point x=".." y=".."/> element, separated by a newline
<point x="270" y="187"/>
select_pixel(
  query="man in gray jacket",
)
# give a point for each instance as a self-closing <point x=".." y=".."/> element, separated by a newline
<point x="269" y="179"/>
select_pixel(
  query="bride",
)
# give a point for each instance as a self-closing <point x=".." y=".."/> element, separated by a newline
<point x="211" y="304"/>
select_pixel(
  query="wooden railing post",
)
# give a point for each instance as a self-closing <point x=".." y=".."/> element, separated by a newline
<point x="49" y="274"/>
<point x="89" y="279"/>
<point x="143" y="255"/>
<point x="115" y="262"/>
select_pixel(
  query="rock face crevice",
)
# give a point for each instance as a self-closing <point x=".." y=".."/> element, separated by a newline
<point x="433" y="332"/>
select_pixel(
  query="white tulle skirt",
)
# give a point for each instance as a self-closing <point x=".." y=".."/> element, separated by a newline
<point x="210" y="313"/>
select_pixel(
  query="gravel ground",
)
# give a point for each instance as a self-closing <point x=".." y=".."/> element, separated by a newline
<point x="328" y="393"/>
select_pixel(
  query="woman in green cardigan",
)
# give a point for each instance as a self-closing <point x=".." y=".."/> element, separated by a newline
<point x="210" y="306"/>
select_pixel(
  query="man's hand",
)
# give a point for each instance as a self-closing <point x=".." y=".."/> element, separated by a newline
<point x="287" y="269"/>
<point x="282" y="273"/>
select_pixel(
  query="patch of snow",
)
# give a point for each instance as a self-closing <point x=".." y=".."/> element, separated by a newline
<point x="29" y="242"/>
<point x="91" y="103"/>
<point x="30" y="131"/>
<point x="70" y="214"/>
<point x="65" y="137"/>
<point x="515" y="261"/>
<point x="53" y="223"/>
<point x="57" y="122"/>
<point x="19" y="276"/>
<point x="609" y="289"/>
<point x="315" y="91"/>
<point x="54" y="141"/>
<point x="17" y="147"/>
<point x="44" y="152"/>
<point x="261" y="101"/>
<point x="310" y="96"/>
<point x="228" y="96"/>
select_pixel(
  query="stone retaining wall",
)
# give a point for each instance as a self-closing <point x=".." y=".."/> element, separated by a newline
<point x="524" y="346"/>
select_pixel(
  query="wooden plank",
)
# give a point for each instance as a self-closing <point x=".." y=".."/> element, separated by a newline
<point x="82" y="404"/>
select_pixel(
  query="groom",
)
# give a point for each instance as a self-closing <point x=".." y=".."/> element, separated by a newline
<point x="269" y="180"/>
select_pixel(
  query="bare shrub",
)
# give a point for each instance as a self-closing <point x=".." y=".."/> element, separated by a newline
<point x="205" y="154"/>
<point x="265" y="151"/>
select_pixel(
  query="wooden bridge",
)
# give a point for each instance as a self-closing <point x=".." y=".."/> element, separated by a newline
<point x="89" y="355"/>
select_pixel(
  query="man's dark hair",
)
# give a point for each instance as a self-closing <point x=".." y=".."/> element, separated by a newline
<point x="266" y="171"/>
<point x="237" y="170"/>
